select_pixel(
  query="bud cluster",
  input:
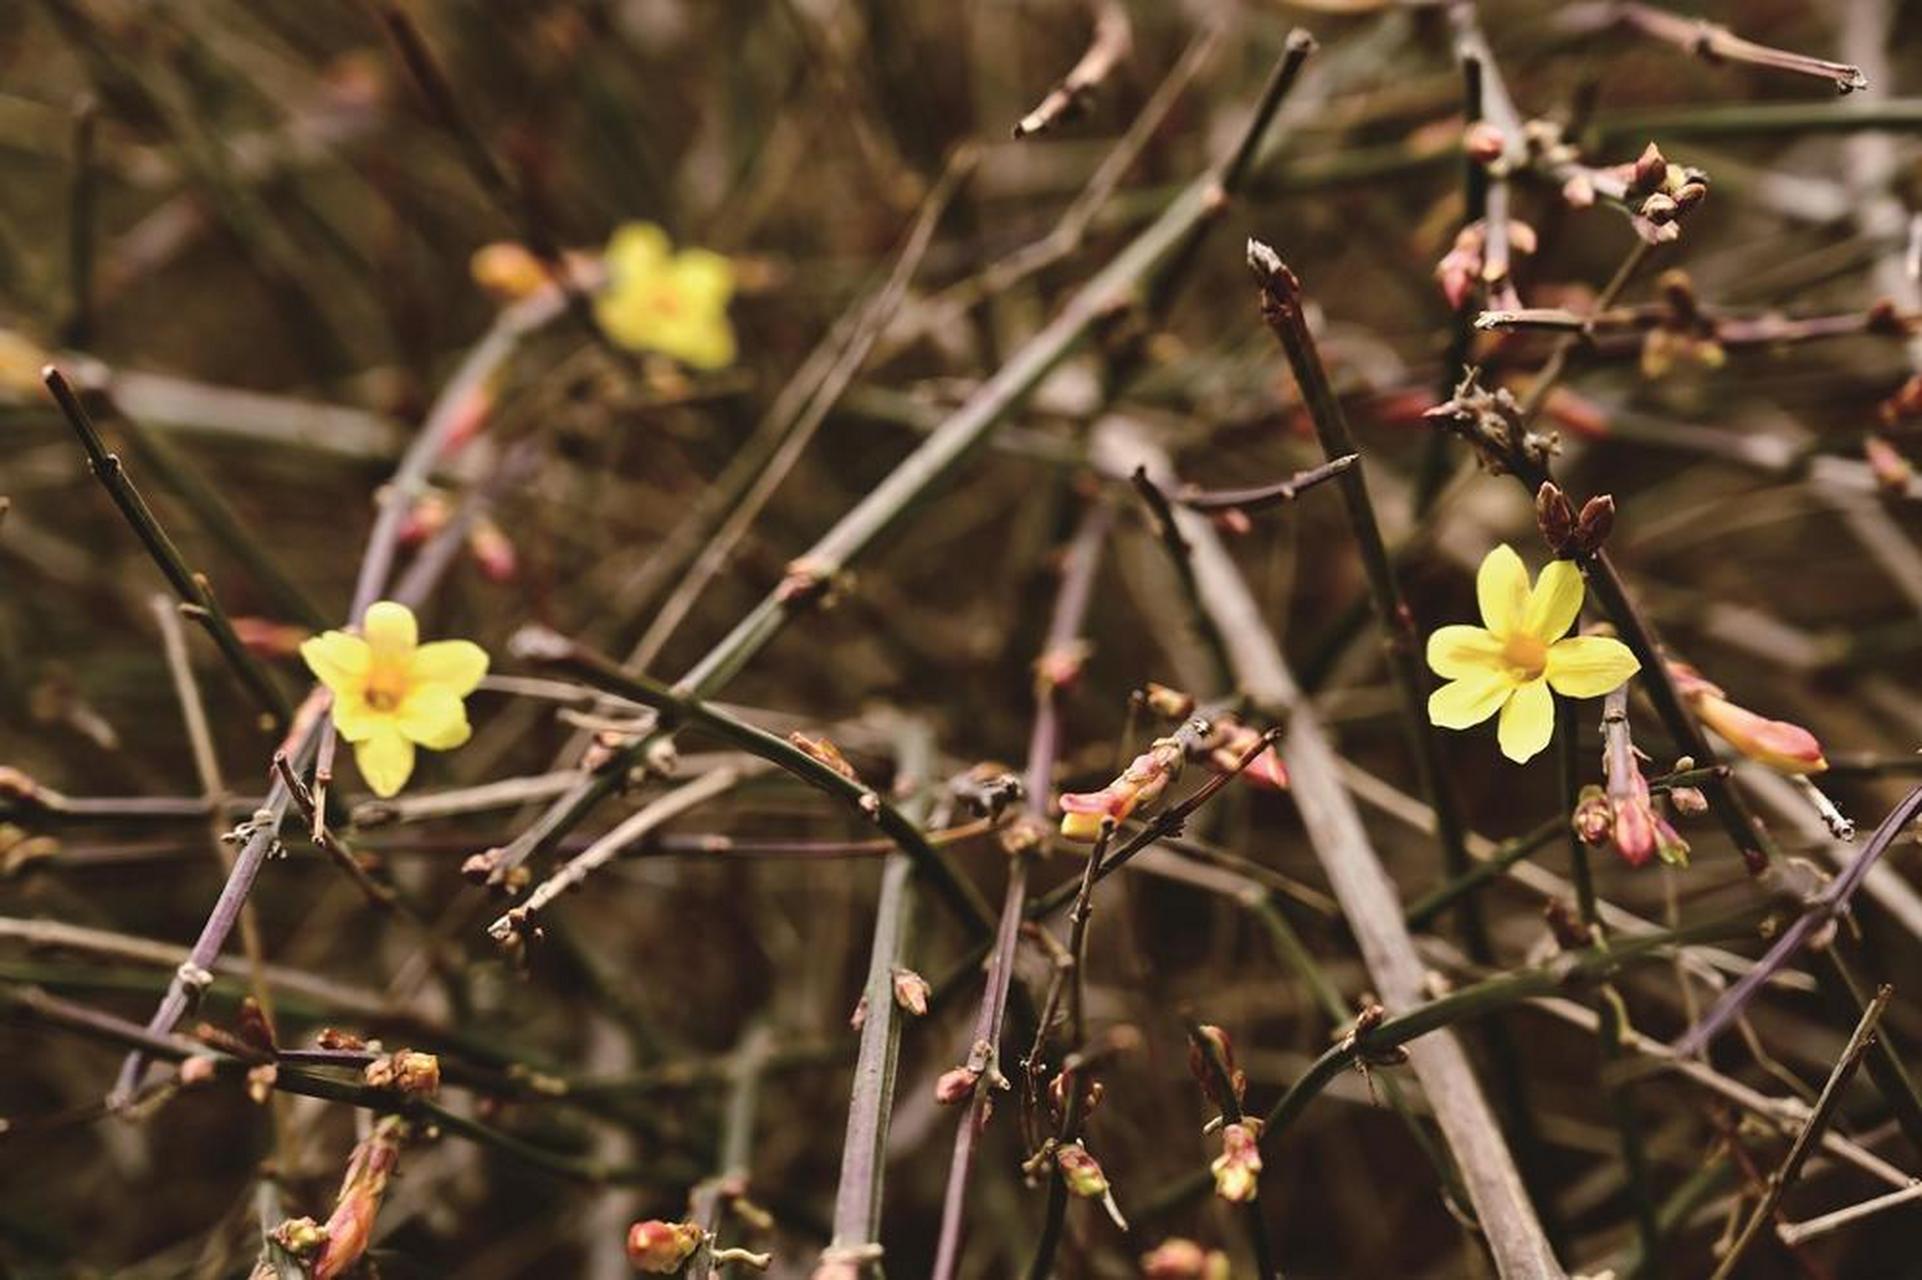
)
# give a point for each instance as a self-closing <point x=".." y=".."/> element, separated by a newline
<point x="1569" y="534"/>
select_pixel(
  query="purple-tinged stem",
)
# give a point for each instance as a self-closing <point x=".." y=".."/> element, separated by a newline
<point x="1044" y="742"/>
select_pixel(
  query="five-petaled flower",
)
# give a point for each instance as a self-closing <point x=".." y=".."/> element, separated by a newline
<point x="392" y="693"/>
<point x="659" y="300"/>
<point x="1521" y="651"/>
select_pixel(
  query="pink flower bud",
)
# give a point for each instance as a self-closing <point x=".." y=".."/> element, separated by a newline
<point x="493" y="552"/>
<point x="1593" y="819"/>
<point x="911" y="992"/>
<point x="507" y="270"/>
<point x="1579" y="190"/>
<point x="1689" y="800"/>
<point x="956" y="1087"/>
<point x="351" y="1227"/>
<point x="1060" y="667"/>
<point x="1178" y="1259"/>
<point x="1785" y="747"/>
<point x="469" y="418"/>
<point x="1092" y="1091"/>
<point x="824" y="752"/>
<point x="1170" y="704"/>
<point x="1669" y="845"/>
<point x="265" y="638"/>
<point x="660" y="1248"/>
<point x="1203" y="1072"/>
<point x="1080" y="1171"/>
<point x="427" y="517"/>
<point x="1483" y="142"/>
<point x="1893" y="472"/>
<point x="404" y="1071"/>
<point x="1237" y="1169"/>
<point x="1649" y="171"/>
<point x="1235" y="740"/>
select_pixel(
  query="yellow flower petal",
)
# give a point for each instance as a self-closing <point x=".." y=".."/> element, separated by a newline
<point x="635" y="249"/>
<point x="1589" y="666"/>
<point x="455" y="665"/>
<point x="707" y="344"/>
<point x="1528" y="721"/>
<point x="390" y="629"/>
<point x="1501" y="588"/>
<point x="432" y="716"/>
<point x="626" y="321"/>
<point x="1463" y="703"/>
<point x="1555" y="602"/>
<point x="356" y="720"/>
<point x="1462" y="652"/>
<point x="338" y="660"/>
<point x="704" y="279"/>
<point x="386" y="761"/>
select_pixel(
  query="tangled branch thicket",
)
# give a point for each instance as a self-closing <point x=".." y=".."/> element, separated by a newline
<point x="1073" y="638"/>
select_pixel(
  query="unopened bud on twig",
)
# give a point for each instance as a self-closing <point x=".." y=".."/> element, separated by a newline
<point x="1782" y="746"/>
<point x="1893" y="473"/>
<point x="1203" y="1071"/>
<point x="911" y="992"/>
<point x="1139" y="785"/>
<point x="1237" y="1169"/>
<point x="1080" y="1171"/>
<point x="956" y="1086"/>
<point x="404" y="1071"/>
<point x="1169" y="704"/>
<point x="660" y="1248"/>
<point x="1179" y="1259"/>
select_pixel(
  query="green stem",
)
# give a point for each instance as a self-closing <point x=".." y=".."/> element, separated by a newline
<point x="1150" y="256"/>
<point x="189" y="587"/>
<point x="677" y="707"/>
<point x="857" y="1200"/>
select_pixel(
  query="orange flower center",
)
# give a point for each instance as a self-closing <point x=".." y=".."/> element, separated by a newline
<point x="1526" y="655"/>
<point x="666" y="299"/>
<point x="386" y="686"/>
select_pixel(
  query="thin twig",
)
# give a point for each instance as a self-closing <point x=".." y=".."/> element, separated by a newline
<point x="1713" y="43"/>
<point x="1824" y="908"/>
<point x="1784" y="1177"/>
<point x="635" y="828"/>
<point x="1261" y="497"/>
<point x="396" y="498"/>
<point x="1224" y="1094"/>
<point x="1611" y="1014"/>
<point x="1112" y="40"/>
<point x="712" y="1199"/>
<point x="1368" y="898"/>
<point x="1059" y="660"/>
<point x="1153" y="255"/>
<point x="1795" y="1233"/>
<point x="190" y="588"/>
<point x="857" y="1199"/>
<point x="675" y="706"/>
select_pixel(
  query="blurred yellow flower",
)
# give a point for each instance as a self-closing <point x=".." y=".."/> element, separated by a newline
<point x="1521" y="651"/>
<point x="392" y="693"/>
<point x="659" y="300"/>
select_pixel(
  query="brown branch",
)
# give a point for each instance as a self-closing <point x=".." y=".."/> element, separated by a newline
<point x="1369" y="899"/>
<point x="1112" y="41"/>
<point x="1714" y="43"/>
<point x="1261" y="497"/>
<point x="1811" y="1132"/>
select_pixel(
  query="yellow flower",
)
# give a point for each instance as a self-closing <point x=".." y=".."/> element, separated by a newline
<point x="392" y="693"/>
<point x="659" y="300"/>
<point x="1521" y="651"/>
